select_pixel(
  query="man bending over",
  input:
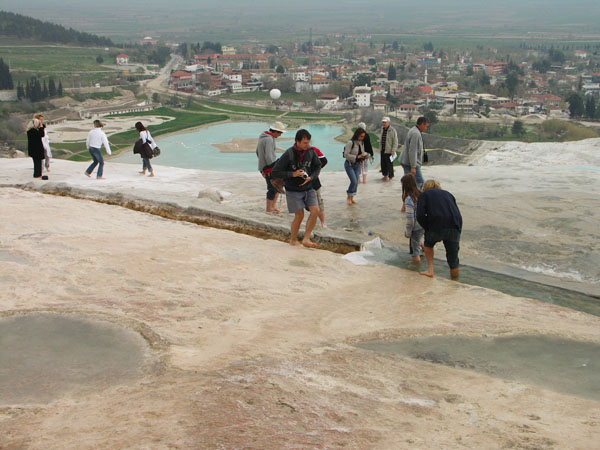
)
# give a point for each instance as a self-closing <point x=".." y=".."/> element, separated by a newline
<point x="438" y="214"/>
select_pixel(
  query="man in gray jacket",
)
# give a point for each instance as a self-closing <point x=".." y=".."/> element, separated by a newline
<point x="388" y="145"/>
<point x="265" y="150"/>
<point x="412" y="153"/>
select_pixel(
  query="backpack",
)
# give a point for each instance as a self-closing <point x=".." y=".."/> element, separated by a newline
<point x="344" y="150"/>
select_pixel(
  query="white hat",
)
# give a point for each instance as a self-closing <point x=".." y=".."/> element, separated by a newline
<point x="362" y="125"/>
<point x="385" y="119"/>
<point x="278" y="126"/>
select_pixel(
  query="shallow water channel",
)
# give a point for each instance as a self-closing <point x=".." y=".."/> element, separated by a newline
<point x="511" y="285"/>
<point x="562" y="365"/>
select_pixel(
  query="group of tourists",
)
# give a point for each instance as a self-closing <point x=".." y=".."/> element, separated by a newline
<point x="38" y="147"/>
<point x="432" y="214"/>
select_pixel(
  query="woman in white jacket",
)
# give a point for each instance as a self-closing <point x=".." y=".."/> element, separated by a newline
<point x="146" y="138"/>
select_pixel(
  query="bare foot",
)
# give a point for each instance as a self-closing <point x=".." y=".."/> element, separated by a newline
<point x="427" y="274"/>
<point x="323" y="225"/>
<point x="100" y="178"/>
<point x="354" y="201"/>
<point x="454" y="273"/>
<point x="295" y="244"/>
<point x="309" y="244"/>
<point x="276" y="210"/>
<point x="143" y="172"/>
<point x="416" y="259"/>
<point x="151" y="174"/>
<point x="87" y="174"/>
<point x="349" y="200"/>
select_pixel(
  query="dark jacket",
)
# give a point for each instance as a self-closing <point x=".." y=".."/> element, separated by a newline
<point x="437" y="210"/>
<point x="35" y="148"/>
<point x="367" y="144"/>
<point x="291" y="161"/>
<point x="143" y="148"/>
<point x="316" y="183"/>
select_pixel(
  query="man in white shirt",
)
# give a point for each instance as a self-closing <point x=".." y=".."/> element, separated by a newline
<point x="95" y="139"/>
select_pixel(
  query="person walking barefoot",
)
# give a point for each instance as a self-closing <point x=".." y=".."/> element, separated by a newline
<point x="146" y="138"/>
<point x="354" y="152"/>
<point x="96" y="138"/>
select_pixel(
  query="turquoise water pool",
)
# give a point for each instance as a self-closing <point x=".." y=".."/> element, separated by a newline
<point x="195" y="150"/>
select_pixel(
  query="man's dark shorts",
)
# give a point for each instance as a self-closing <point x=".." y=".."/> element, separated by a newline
<point x="451" y="239"/>
<point x="271" y="191"/>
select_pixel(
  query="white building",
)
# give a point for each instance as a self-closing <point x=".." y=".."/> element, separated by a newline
<point x="122" y="59"/>
<point x="328" y="101"/>
<point x="299" y="76"/>
<point x="363" y="96"/>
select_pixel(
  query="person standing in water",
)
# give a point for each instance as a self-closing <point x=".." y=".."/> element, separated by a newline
<point x="298" y="166"/>
<point x="413" y="231"/>
<point x="438" y="214"/>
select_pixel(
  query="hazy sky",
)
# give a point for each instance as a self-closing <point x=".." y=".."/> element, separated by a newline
<point x="260" y="18"/>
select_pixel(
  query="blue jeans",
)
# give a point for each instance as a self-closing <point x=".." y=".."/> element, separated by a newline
<point x="98" y="161"/>
<point x="418" y="175"/>
<point x="146" y="164"/>
<point x="353" y="171"/>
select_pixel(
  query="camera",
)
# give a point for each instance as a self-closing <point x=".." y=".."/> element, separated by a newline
<point x="304" y="176"/>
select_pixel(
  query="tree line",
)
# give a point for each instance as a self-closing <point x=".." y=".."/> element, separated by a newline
<point x="6" y="81"/>
<point x="35" y="91"/>
<point x="28" y="28"/>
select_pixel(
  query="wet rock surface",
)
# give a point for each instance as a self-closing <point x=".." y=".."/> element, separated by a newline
<point x="46" y="356"/>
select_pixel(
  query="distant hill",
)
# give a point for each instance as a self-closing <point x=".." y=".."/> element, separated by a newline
<point x="27" y="28"/>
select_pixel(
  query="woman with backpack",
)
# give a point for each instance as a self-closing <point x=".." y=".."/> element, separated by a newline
<point x="354" y="152"/>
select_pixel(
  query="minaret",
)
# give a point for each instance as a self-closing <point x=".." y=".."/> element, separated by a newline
<point x="425" y="76"/>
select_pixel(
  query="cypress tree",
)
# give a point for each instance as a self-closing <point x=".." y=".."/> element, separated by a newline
<point x="60" y="89"/>
<point x="45" y="90"/>
<point x="6" y="81"/>
<point x="37" y="89"/>
<point x="51" y="88"/>
<point x="20" y="92"/>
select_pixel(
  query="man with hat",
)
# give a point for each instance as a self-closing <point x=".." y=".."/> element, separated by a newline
<point x="265" y="150"/>
<point x="388" y="145"/>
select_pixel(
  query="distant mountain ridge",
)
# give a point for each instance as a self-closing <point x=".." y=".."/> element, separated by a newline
<point x="28" y="28"/>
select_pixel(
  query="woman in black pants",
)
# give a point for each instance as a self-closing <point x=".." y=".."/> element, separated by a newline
<point x="35" y="147"/>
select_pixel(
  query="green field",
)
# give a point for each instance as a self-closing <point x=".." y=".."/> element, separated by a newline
<point x="242" y="109"/>
<point x="74" y="66"/>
